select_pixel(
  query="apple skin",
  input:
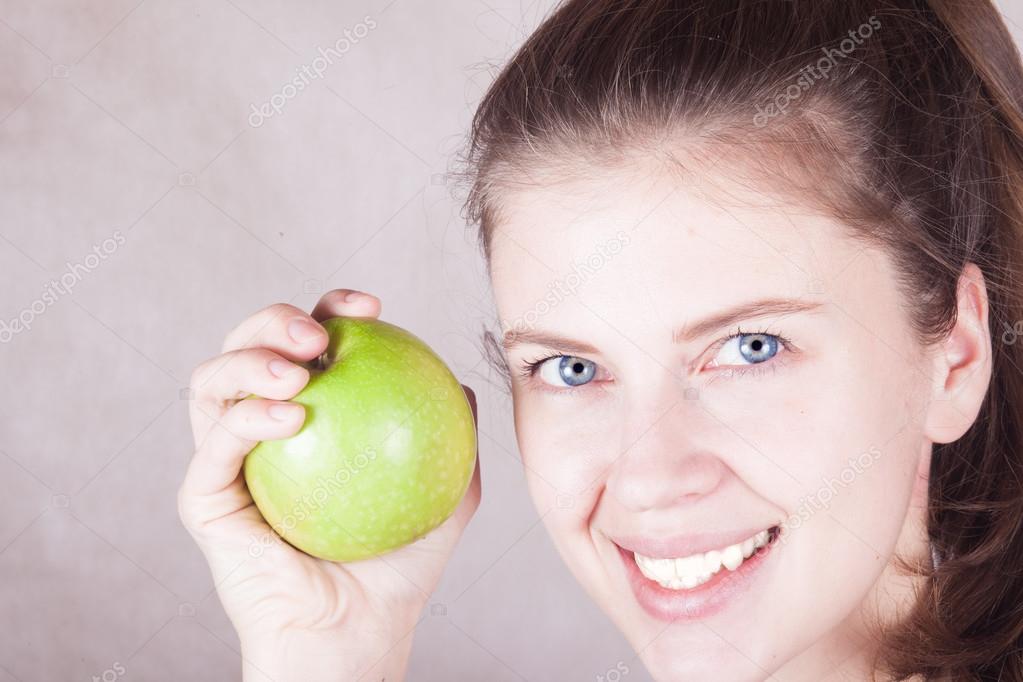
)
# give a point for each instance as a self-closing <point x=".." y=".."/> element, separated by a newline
<point x="386" y="452"/>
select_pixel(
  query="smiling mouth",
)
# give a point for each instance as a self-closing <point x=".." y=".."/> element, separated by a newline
<point x="690" y="572"/>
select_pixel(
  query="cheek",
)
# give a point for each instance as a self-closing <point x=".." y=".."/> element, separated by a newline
<point x="850" y="449"/>
<point x="563" y="451"/>
<point x="819" y="429"/>
<point x="563" y="471"/>
<point x="870" y="432"/>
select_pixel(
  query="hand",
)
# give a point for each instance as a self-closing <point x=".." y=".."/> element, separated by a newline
<point x="298" y="617"/>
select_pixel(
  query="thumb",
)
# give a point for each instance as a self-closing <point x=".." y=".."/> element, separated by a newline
<point x="470" y="395"/>
<point x="470" y="501"/>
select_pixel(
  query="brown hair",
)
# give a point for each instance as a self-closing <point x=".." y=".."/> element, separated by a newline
<point x="902" y="117"/>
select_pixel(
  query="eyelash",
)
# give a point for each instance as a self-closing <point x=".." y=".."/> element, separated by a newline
<point x="529" y="367"/>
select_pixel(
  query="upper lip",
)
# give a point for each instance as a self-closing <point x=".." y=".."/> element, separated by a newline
<point x="674" y="546"/>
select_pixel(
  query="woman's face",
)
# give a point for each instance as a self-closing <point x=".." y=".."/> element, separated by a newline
<point x="726" y="370"/>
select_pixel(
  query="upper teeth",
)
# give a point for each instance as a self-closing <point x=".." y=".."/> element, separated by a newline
<point x="690" y="571"/>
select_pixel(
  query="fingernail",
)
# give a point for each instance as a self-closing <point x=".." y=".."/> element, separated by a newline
<point x="283" y="412"/>
<point x="302" y="330"/>
<point x="282" y="368"/>
<point x="353" y="296"/>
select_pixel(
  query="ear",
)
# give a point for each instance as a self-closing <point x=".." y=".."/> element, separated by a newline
<point x="962" y="363"/>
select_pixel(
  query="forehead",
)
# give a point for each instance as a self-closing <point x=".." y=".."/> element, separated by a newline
<point x="647" y="247"/>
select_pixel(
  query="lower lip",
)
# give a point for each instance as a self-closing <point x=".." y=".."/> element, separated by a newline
<point x="701" y="601"/>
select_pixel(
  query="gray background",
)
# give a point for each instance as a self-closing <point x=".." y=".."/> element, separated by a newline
<point x="130" y="121"/>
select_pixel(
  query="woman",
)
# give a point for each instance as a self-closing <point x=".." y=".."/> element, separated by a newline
<point x="781" y="388"/>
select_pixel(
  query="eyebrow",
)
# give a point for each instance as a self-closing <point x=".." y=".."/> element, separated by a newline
<point x="759" y="308"/>
<point x="685" y="333"/>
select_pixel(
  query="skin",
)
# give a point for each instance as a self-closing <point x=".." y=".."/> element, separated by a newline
<point x="669" y="438"/>
<point x="297" y="617"/>
<point x="632" y="453"/>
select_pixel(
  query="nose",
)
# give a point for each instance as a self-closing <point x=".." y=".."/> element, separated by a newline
<point x="665" y="463"/>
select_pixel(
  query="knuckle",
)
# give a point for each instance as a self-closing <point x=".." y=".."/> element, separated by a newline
<point x="232" y="427"/>
<point x="256" y="325"/>
<point x="202" y="376"/>
<point x="335" y="295"/>
<point x="231" y="420"/>
<point x="278" y="312"/>
<point x="229" y="365"/>
<point x="251" y="415"/>
<point x="241" y="360"/>
<point x="199" y="374"/>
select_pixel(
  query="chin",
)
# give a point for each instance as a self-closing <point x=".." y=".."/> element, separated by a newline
<point x="708" y="633"/>
<point x="668" y="661"/>
<point x="666" y="667"/>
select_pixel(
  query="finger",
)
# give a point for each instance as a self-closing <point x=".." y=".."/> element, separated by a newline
<point x="235" y="375"/>
<point x="282" y="328"/>
<point x="218" y="460"/>
<point x="346" y="303"/>
<point x="471" y="501"/>
<point x="470" y="395"/>
<point x="473" y="494"/>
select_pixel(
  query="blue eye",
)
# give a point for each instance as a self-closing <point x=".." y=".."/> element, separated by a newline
<point x="567" y="370"/>
<point x="747" y="349"/>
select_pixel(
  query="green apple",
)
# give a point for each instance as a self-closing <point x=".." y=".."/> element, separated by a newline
<point x="386" y="452"/>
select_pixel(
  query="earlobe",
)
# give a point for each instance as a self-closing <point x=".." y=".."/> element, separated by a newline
<point x="962" y="363"/>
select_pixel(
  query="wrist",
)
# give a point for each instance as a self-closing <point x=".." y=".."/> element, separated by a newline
<point x="377" y="652"/>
